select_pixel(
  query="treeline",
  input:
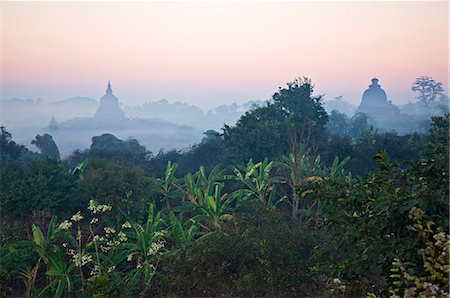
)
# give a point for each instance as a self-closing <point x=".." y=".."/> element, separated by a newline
<point x="277" y="205"/>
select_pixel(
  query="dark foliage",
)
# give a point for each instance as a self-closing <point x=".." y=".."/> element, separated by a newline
<point x="259" y="255"/>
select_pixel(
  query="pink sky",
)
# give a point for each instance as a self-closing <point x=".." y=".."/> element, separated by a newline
<point x="211" y="53"/>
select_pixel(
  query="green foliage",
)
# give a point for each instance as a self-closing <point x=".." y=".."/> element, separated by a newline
<point x="206" y="154"/>
<point x="431" y="278"/>
<point x="363" y="220"/>
<point x="182" y="233"/>
<point x="144" y="247"/>
<point x="205" y="233"/>
<point x="296" y="169"/>
<point x="266" y="132"/>
<point x="127" y="188"/>
<point x="257" y="182"/>
<point x="129" y="152"/>
<point x="249" y="138"/>
<point x="41" y="185"/>
<point x="10" y="150"/>
<point x="258" y="255"/>
<point x="5" y="288"/>
<point x="205" y="200"/>
<point x="107" y="146"/>
<point x="339" y="123"/>
<point x="43" y="248"/>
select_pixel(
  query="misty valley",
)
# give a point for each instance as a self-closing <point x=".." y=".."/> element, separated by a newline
<point x="290" y="197"/>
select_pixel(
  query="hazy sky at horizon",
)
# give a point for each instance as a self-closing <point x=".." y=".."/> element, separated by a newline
<point x="211" y="53"/>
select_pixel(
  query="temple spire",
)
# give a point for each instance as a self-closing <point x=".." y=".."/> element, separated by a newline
<point x="108" y="89"/>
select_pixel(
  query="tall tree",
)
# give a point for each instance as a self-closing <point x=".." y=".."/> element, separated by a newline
<point x="293" y="115"/>
<point x="427" y="89"/>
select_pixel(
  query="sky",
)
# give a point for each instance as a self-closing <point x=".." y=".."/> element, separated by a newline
<point x="212" y="53"/>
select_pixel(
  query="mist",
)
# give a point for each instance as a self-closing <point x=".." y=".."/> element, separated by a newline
<point x="72" y="122"/>
<point x="163" y="125"/>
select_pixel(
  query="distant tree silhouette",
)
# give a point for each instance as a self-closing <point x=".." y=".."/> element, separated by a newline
<point x="427" y="89"/>
<point x="47" y="146"/>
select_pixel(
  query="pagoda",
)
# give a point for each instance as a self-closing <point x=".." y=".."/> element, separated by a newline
<point x="109" y="106"/>
<point x="375" y="104"/>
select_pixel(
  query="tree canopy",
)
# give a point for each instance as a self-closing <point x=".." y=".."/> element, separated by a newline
<point x="292" y="115"/>
<point x="427" y="89"/>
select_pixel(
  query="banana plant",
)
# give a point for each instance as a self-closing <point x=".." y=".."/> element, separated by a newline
<point x="258" y="182"/>
<point x="58" y="271"/>
<point x="182" y="234"/>
<point x="47" y="251"/>
<point x="144" y="249"/>
<point x="169" y="187"/>
<point x="205" y="200"/>
<point x="80" y="168"/>
<point x="297" y="168"/>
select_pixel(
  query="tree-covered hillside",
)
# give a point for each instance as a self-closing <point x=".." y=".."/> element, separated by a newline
<point x="289" y="202"/>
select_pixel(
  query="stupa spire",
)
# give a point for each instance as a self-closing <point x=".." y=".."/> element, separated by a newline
<point x="109" y="89"/>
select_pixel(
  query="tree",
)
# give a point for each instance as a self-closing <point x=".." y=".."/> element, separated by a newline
<point x="338" y="123"/>
<point x="47" y="146"/>
<point x="427" y="89"/>
<point x="259" y="133"/>
<point x="298" y="104"/>
<point x="268" y="131"/>
<point x="129" y="152"/>
<point x="365" y="223"/>
<point x="125" y="188"/>
<point x="358" y="124"/>
<point x="9" y="148"/>
<point x="43" y="185"/>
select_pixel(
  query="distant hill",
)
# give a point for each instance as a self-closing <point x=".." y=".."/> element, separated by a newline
<point x="77" y="100"/>
<point x="15" y="100"/>
<point x="191" y="115"/>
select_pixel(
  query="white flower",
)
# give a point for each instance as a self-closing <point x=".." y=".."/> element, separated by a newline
<point x="81" y="259"/>
<point x="94" y="220"/>
<point x="95" y="270"/>
<point x="109" y="230"/>
<point x="110" y="269"/>
<point x="64" y="244"/>
<point x="92" y="206"/>
<point x="104" y="208"/>
<point x="77" y="217"/>
<point x="155" y="247"/>
<point x="105" y="248"/>
<point x="130" y="257"/>
<point x="98" y="238"/>
<point x="122" y="236"/>
<point x="158" y="234"/>
<point x="139" y="265"/>
<point x="113" y="243"/>
<point x="96" y="207"/>
<point x="439" y="237"/>
<point x="65" y="225"/>
<point x="126" y="225"/>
